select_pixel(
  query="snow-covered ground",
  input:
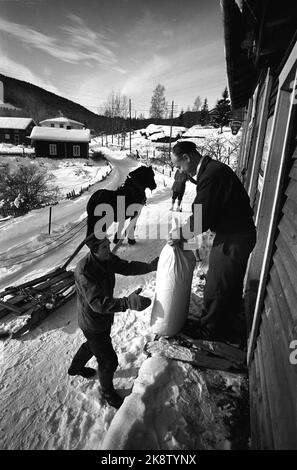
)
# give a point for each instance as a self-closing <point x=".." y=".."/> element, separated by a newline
<point x="11" y="149"/>
<point x="178" y="407"/>
<point x="70" y="174"/>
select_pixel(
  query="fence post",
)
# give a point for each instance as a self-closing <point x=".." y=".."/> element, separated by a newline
<point x="50" y="220"/>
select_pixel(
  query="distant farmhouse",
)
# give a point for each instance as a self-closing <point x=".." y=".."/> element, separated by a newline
<point x="15" y="130"/>
<point x="61" y="143"/>
<point x="62" y="122"/>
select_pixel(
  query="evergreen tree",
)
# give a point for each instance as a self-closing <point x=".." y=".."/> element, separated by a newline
<point x="204" y="114"/>
<point x="181" y="118"/>
<point x="197" y="104"/>
<point x="222" y="111"/>
<point x="158" y="103"/>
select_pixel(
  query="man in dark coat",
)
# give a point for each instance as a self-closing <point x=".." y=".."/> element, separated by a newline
<point x="226" y="211"/>
<point x="96" y="305"/>
<point x="178" y="188"/>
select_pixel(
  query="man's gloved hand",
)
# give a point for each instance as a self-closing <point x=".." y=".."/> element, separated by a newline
<point x="138" y="302"/>
<point x="175" y="238"/>
<point x="154" y="263"/>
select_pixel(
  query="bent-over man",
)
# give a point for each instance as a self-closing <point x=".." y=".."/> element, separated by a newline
<point x="226" y="211"/>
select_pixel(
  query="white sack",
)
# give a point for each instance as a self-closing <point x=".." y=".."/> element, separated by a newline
<point x="173" y="288"/>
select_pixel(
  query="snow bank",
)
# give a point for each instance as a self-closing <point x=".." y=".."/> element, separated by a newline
<point x="7" y="149"/>
<point x="172" y="407"/>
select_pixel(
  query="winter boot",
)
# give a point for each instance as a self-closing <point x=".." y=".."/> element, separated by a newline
<point x="108" y="391"/>
<point x="86" y="372"/>
<point x="113" y="398"/>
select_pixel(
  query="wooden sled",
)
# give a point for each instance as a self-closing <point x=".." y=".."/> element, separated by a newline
<point x="35" y="300"/>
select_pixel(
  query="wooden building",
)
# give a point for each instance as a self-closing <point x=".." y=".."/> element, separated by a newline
<point x="261" y="59"/>
<point x="16" y="130"/>
<point x="62" y="122"/>
<point x="60" y="143"/>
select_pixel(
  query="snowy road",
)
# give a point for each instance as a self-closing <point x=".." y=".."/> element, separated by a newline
<point x="26" y="234"/>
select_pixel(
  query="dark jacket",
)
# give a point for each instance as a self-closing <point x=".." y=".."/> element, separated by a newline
<point x="179" y="184"/>
<point x="225" y="203"/>
<point x="94" y="281"/>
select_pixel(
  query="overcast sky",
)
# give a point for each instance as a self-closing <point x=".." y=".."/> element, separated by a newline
<point x="85" y="49"/>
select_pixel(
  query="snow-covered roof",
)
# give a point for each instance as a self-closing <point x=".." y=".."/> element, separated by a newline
<point x="60" y="120"/>
<point x="154" y="129"/>
<point x="198" y="131"/>
<point x="60" y="135"/>
<point x="165" y="132"/>
<point x="14" y="122"/>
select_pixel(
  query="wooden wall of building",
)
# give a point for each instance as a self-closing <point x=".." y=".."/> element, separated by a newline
<point x="273" y="378"/>
<point x="64" y="149"/>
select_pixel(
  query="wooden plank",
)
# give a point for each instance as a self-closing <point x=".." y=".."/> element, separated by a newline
<point x="293" y="171"/>
<point x="62" y="285"/>
<point x="12" y="301"/>
<point x="274" y="394"/>
<point x="284" y="308"/>
<point x="53" y="280"/>
<point x="259" y="406"/>
<point x="288" y="255"/>
<point x="285" y="419"/>
<point x="18" y="299"/>
<point x="288" y="289"/>
<point x="281" y="346"/>
<point x="288" y="228"/>
<point x="56" y="288"/>
<point x="268" y="441"/>
<point x="254" y="405"/>
<point x="291" y="190"/>
<point x="276" y="302"/>
<point x="13" y="289"/>
<point x="290" y="209"/>
<point x="10" y="307"/>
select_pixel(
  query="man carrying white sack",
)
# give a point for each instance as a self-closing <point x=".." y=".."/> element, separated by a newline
<point x="226" y="211"/>
<point x="95" y="281"/>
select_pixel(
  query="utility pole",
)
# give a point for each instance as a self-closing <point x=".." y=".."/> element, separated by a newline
<point x="171" y="118"/>
<point x="130" y="150"/>
<point x="112" y="124"/>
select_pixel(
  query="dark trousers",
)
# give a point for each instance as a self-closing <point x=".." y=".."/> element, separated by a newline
<point x="100" y="346"/>
<point x="224" y="284"/>
<point x="178" y="196"/>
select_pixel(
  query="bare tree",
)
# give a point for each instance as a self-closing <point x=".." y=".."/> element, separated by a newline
<point x="117" y="105"/>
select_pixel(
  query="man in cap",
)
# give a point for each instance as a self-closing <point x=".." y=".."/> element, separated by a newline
<point x="226" y="211"/>
<point x="96" y="305"/>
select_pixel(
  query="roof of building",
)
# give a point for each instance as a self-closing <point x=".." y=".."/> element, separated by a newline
<point x="60" y="135"/>
<point x="258" y="34"/>
<point x="59" y="120"/>
<point x="14" y="122"/>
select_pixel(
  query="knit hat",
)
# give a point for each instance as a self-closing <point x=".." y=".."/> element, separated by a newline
<point x="92" y="241"/>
